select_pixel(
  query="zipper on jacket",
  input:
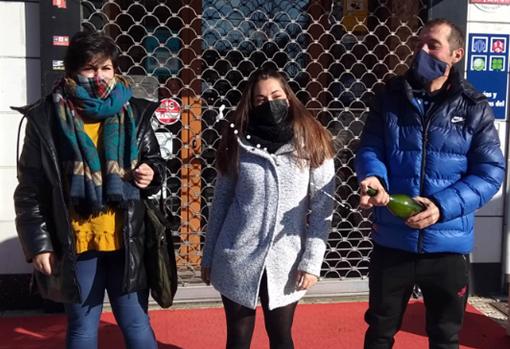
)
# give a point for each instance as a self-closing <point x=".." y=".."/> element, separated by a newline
<point x="125" y="285"/>
<point x="427" y="121"/>
<point x="422" y="178"/>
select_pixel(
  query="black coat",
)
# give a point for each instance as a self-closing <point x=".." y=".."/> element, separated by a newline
<point x="42" y="217"/>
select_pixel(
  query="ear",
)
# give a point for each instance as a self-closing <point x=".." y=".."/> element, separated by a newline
<point x="458" y="54"/>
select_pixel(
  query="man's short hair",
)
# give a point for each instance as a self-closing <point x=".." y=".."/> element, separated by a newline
<point x="456" y="38"/>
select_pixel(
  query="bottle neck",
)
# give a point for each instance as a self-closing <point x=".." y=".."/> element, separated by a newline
<point x="371" y="191"/>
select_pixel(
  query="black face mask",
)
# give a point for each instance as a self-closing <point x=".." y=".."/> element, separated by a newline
<point x="270" y="113"/>
<point x="269" y="125"/>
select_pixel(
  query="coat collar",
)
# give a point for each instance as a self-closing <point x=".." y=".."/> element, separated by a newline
<point x="459" y="85"/>
<point x="246" y="145"/>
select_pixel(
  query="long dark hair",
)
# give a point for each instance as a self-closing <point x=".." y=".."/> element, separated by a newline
<point x="311" y="140"/>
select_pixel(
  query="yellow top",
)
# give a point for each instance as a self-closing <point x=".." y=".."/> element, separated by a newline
<point x="100" y="232"/>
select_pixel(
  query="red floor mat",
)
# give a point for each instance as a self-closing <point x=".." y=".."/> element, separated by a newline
<point x="322" y="326"/>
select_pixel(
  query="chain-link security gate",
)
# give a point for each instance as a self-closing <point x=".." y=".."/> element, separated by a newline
<point x="201" y="53"/>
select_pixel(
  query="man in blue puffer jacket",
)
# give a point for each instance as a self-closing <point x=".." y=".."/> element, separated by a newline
<point x="430" y="135"/>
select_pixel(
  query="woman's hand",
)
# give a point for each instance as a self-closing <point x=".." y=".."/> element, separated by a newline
<point x="305" y="280"/>
<point x="143" y="175"/>
<point x="205" y="274"/>
<point x="43" y="262"/>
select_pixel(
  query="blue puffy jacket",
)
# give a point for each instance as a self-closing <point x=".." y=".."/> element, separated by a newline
<point x="452" y="157"/>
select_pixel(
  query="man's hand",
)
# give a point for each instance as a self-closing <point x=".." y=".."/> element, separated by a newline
<point x="43" y="262"/>
<point x="380" y="199"/>
<point x="425" y="218"/>
<point x="143" y="176"/>
<point x="305" y="280"/>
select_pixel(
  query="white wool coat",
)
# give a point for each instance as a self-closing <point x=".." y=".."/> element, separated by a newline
<point x="275" y="216"/>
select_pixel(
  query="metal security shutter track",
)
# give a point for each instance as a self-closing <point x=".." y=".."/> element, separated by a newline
<point x="201" y="53"/>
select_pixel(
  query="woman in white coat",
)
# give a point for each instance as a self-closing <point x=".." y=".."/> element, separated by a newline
<point x="272" y="209"/>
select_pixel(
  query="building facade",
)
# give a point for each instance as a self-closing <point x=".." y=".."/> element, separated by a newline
<point x="197" y="55"/>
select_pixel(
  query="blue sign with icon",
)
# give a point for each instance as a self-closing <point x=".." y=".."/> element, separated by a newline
<point x="487" y="69"/>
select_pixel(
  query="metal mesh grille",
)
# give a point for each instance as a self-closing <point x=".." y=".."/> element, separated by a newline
<point x="201" y="53"/>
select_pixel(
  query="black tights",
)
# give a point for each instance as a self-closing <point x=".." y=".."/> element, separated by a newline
<point x="241" y="322"/>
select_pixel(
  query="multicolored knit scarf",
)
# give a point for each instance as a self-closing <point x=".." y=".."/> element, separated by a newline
<point x="97" y="177"/>
<point x="96" y="87"/>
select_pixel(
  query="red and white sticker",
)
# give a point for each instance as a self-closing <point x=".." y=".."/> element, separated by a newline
<point x="60" y="40"/>
<point x="168" y="112"/>
<point x="59" y="3"/>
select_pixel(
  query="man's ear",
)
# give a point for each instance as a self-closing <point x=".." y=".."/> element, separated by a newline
<point x="458" y="54"/>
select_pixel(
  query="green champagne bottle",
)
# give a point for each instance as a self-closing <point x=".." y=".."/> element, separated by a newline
<point x="400" y="205"/>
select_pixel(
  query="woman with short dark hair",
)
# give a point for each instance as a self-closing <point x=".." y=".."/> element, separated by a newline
<point x="88" y="159"/>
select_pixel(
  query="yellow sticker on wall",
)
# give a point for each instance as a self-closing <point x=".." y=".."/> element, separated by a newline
<point x="355" y="11"/>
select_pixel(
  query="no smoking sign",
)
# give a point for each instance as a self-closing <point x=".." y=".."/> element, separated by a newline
<point x="168" y="112"/>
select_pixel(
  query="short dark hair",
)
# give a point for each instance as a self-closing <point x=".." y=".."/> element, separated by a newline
<point x="456" y="38"/>
<point x="84" y="46"/>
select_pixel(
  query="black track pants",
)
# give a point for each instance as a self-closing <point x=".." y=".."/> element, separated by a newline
<point x="443" y="280"/>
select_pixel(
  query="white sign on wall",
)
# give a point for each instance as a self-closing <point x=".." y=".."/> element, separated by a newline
<point x="489" y="12"/>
